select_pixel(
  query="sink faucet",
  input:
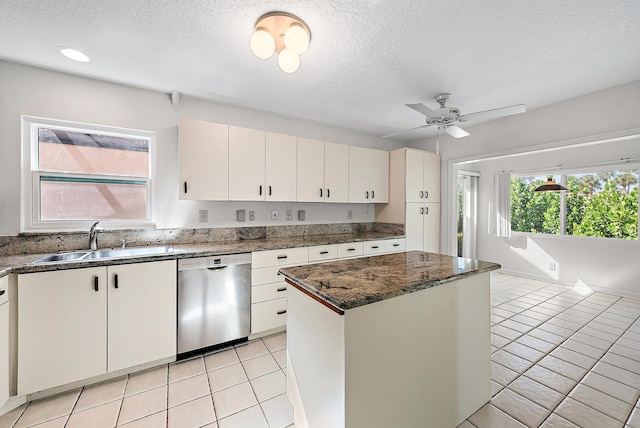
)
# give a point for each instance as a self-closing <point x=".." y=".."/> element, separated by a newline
<point x="93" y="236"/>
<point x="124" y="242"/>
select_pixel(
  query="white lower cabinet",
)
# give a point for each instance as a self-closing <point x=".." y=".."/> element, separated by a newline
<point x="4" y="340"/>
<point x="75" y="324"/>
<point x="423" y="227"/>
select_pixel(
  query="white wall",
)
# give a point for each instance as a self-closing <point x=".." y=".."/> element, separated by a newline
<point x="37" y="92"/>
<point x="610" y="264"/>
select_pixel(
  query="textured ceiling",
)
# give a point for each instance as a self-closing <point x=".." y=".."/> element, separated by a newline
<point x="367" y="58"/>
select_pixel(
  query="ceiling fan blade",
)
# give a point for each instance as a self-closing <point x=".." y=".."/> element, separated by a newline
<point x="493" y="114"/>
<point x="456" y="131"/>
<point x="421" y="108"/>
<point x="393" y="134"/>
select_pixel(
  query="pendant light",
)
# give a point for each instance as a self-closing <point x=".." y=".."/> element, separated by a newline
<point x="550" y="186"/>
<point x="282" y="33"/>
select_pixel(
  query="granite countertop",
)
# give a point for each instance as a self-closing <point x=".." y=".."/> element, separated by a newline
<point x="348" y="284"/>
<point x="23" y="263"/>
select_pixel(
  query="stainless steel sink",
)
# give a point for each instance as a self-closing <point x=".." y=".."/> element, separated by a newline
<point x="62" y="257"/>
<point x="130" y="252"/>
<point x="107" y="254"/>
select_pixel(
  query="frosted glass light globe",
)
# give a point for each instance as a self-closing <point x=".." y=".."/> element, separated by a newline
<point x="262" y="44"/>
<point x="288" y="61"/>
<point x="296" y="39"/>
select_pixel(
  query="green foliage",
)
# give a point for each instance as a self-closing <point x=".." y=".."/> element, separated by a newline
<point x="602" y="205"/>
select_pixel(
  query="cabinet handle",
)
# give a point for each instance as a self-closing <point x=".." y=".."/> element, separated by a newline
<point x="95" y="283"/>
<point x="282" y="289"/>
<point x="328" y="193"/>
<point x="185" y="187"/>
<point x="320" y="192"/>
<point x="421" y="210"/>
<point x="373" y="194"/>
<point x="2" y="292"/>
<point x="269" y="190"/>
<point x="282" y="257"/>
<point x="115" y="281"/>
<point x="351" y="249"/>
<point x="426" y="194"/>
<point x="426" y="210"/>
<point x="367" y="194"/>
<point x="321" y="253"/>
<point x="421" y="194"/>
<point x="282" y="312"/>
<point x="374" y="247"/>
<point x="396" y="245"/>
<point x="260" y="190"/>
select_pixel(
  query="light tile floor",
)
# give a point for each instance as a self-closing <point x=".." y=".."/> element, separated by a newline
<point x="239" y="387"/>
<point x="561" y="357"/>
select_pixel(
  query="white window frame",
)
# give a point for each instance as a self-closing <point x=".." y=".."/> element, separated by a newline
<point x="563" y="173"/>
<point x="30" y="189"/>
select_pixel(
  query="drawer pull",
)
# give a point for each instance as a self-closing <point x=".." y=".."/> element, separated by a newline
<point x="2" y="292"/>
<point x="282" y="289"/>
<point x="374" y="247"/>
<point x="282" y="312"/>
<point x="351" y="249"/>
<point x="282" y="257"/>
<point x="324" y="252"/>
<point x="396" y="245"/>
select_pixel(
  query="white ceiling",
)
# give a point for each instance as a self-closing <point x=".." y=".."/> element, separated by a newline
<point x="367" y="58"/>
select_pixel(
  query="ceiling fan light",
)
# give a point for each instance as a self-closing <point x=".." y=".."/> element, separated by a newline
<point x="262" y="44"/>
<point x="288" y="61"/>
<point x="296" y="39"/>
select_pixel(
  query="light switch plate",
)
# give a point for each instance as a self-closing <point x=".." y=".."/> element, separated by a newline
<point x="301" y="215"/>
<point x="240" y="215"/>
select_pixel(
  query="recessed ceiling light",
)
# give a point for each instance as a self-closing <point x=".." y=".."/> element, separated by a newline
<point x="74" y="54"/>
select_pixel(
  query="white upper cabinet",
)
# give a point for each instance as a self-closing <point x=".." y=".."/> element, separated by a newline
<point x="311" y="170"/>
<point x="323" y="171"/>
<point x="246" y="164"/>
<point x="281" y="167"/>
<point x="203" y="149"/>
<point x="368" y="175"/>
<point x="336" y="172"/>
<point x="422" y="176"/>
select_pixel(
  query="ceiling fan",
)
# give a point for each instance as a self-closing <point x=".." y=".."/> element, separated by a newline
<point x="446" y="118"/>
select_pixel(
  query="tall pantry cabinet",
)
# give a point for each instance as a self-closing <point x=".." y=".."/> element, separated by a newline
<point x="414" y="197"/>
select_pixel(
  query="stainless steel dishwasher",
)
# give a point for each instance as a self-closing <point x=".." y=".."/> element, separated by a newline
<point x="214" y="301"/>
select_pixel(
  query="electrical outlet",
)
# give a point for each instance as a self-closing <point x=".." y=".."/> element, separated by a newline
<point x="240" y="215"/>
<point x="302" y="215"/>
<point x="274" y="215"/>
<point x="349" y="214"/>
<point x="252" y="215"/>
<point x="552" y="266"/>
<point x="289" y="214"/>
<point x="203" y="215"/>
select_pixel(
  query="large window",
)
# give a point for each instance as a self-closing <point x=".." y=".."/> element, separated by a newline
<point x="597" y="204"/>
<point x="82" y="173"/>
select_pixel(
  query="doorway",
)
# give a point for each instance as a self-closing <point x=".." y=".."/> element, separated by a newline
<point x="466" y="214"/>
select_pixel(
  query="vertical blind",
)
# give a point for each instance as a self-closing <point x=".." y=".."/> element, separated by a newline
<point x="503" y="204"/>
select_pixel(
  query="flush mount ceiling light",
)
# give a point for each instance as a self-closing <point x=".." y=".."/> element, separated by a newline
<point x="73" y="54"/>
<point x="283" y="33"/>
<point x="550" y="186"/>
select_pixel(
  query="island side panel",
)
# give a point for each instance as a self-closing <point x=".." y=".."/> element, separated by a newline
<point x="421" y="359"/>
<point x="315" y="344"/>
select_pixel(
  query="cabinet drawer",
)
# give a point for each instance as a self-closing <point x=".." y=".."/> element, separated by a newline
<point x="266" y="275"/>
<point x="288" y="256"/>
<point x="374" y="247"/>
<point x="323" y="252"/>
<point x="268" y="315"/>
<point x="262" y="293"/>
<point x="353" y="249"/>
<point x="395" y="245"/>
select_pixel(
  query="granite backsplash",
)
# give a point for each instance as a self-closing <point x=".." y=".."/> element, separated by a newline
<point x="32" y="243"/>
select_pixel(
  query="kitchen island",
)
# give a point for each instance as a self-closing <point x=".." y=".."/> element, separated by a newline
<point x="393" y="340"/>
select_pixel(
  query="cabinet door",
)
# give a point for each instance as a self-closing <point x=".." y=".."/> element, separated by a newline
<point x="358" y="174"/>
<point x="310" y="170"/>
<point x="62" y="327"/>
<point x="414" y="175"/>
<point x="432" y="227"/>
<point x="379" y="176"/>
<point x="336" y="172"/>
<point x="431" y="178"/>
<point x="142" y="313"/>
<point x="4" y="341"/>
<point x="246" y="164"/>
<point x="414" y="226"/>
<point x="281" y="167"/>
<point x="203" y="151"/>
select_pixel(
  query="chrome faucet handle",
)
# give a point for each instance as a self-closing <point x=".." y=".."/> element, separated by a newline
<point x="123" y="243"/>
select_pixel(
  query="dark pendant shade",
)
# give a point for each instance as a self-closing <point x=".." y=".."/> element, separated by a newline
<point x="550" y="186"/>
